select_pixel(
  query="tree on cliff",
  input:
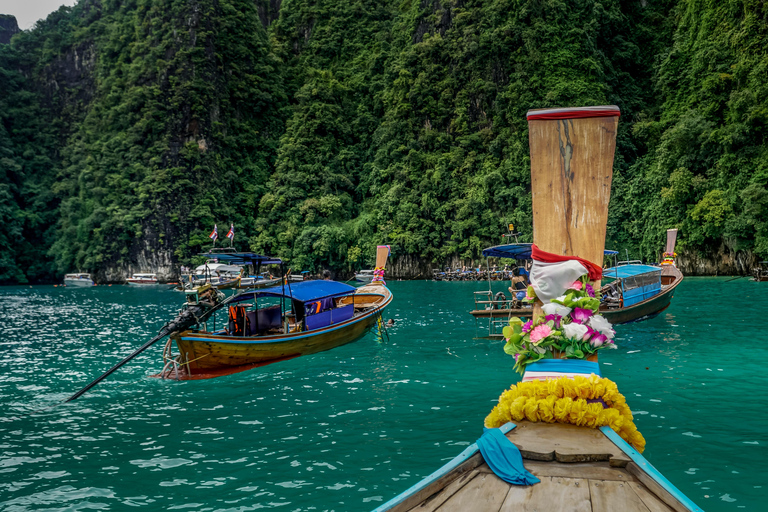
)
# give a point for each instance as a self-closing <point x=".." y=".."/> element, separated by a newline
<point x="324" y="127"/>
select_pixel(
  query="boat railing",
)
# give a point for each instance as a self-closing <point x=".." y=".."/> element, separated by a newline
<point x="487" y="300"/>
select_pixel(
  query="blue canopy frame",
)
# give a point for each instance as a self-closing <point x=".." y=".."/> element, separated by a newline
<point x="302" y="291"/>
<point x="624" y="271"/>
<point x="241" y="258"/>
<point x="518" y="251"/>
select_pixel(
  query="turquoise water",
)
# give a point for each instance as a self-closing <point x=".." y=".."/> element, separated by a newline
<point x="349" y="428"/>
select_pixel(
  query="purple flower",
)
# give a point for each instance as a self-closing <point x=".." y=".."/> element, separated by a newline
<point x="590" y="291"/>
<point x="581" y="315"/>
<point x="517" y="356"/>
<point x="554" y="318"/>
<point x="527" y="326"/>
<point x="598" y="340"/>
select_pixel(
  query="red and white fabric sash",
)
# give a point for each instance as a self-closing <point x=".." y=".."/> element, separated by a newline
<point x="552" y="274"/>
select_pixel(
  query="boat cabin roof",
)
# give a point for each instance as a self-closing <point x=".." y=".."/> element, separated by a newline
<point x="302" y="291"/>
<point x="143" y="275"/>
<point x="518" y="251"/>
<point x="242" y="258"/>
<point x="623" y="271"/>
<point x="77" y="276"/>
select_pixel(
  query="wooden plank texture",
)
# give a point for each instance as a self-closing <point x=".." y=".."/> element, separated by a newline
<point x="614" y="496"/>
<point x="439" y="485"/>
<point x="484" y="493"/>
<point x="565" y="443"/>
<point x="650" y="500"/>
<point x="571" y="172"/>
<point x="655" y="488"/>
<point x="433" y="502"/>
<point x="552" y="494"/>
<point x="589" y="470"/>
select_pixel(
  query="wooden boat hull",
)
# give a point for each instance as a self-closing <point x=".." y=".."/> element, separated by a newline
<point x="641" y="311"/>
<point x="206" y="351"/>
<point x="580" y="468"/>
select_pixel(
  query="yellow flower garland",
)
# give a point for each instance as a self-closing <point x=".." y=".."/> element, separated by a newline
<point x="564" y="400"/>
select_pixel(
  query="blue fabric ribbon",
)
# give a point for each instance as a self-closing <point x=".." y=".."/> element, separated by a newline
<point x="504" y="458"/>
<point x="564" y="365"/>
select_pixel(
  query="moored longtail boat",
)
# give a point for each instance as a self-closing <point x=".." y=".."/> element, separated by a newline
<point x="760" y="272"/>
<point x="564" y="437"/>
<point x="637" y="292"/>
<point x="276" y="323"/>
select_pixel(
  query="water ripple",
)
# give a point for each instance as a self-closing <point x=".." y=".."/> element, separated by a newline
<point x="345" y="429"/>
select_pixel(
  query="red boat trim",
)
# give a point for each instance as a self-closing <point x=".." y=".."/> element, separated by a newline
<point x="212" y="373"/>
<point x="574" y="113"/>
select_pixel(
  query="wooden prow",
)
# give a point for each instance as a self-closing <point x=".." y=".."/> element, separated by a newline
<point x="571" y="170"/>
<point x="671" y="240"/>
<point x="382" y="253"/>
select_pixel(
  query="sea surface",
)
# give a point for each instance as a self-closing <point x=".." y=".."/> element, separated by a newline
<point x="348" y="429"/>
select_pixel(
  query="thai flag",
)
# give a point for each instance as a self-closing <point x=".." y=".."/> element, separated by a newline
<point x="214" y="234"/>
<point x="231" y="234"/>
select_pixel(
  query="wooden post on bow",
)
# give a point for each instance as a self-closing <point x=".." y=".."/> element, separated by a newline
<point x="571" y="170"/>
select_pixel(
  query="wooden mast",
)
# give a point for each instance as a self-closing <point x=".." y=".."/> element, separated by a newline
<point x="382" y="253"/>
<point x="571" y="170"/>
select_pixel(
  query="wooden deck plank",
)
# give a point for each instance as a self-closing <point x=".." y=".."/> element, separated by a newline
<point x="552" y="494"/>
<point x="654" y="487"/>
<point x="650" y="500"/>
<point x="610" y="496"/>
<point x="433" y="502"/>
<point x="438" y="485"/>
<point x="588" y="470"/>
<point x="484" y="493"/>
<point x="565" y="443"/>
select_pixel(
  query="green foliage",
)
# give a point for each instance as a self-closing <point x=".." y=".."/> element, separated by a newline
<point x="706" y="166"/>
<point x="130" y="128"/>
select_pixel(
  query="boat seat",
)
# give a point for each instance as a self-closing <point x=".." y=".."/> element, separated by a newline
<point x="329" y="317"/>
<point x="264" y="320"/>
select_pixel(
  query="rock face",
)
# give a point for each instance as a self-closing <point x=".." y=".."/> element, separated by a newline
<point x="8" y="27"/>
<point x="720" y="262"/>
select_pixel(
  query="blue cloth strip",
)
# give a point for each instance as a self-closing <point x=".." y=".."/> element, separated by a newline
<point x="503" y="457"/>
<point x="564" y="365"/>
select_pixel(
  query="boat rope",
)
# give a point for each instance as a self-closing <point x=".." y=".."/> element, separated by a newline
<point x="382" y="328"/>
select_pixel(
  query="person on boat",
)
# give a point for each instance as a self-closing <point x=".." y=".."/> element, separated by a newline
<point x="326" y="275"/>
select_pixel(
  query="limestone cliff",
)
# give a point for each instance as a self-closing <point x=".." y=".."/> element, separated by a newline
<point x="8" y="27"/>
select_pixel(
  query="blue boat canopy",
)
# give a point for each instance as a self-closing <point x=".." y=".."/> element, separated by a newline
<point x="517" y="251"/>
<point x="302" y="291"/>
<point x="624" y="271"/>
<point x="241" y="258"/>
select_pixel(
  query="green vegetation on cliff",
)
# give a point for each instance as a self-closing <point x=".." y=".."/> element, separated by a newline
<point x="320" y="128"/>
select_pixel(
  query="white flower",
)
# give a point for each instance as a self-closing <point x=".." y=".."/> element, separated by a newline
<point x="560" y="298"/>
<point x="575" y="331"/>
<point x="555" y="309"/>
<point x="601" y="325"/>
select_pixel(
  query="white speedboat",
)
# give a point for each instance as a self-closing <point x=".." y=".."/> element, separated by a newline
<point x="259" y="281"/>
<point x="143" y="279"/>
<point x="217" y="274"/>
<point x="364" y="276"/>
<point x="78" y="280"/>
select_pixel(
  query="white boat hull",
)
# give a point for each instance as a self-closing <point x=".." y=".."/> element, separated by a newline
<point x="78" y="282"/>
